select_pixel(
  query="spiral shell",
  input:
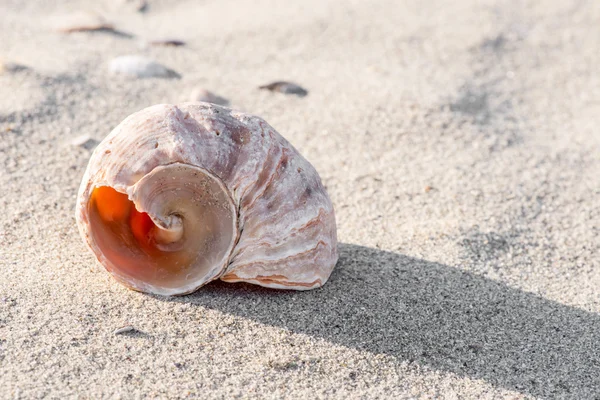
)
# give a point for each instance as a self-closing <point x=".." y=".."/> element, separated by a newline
<point x="177" y="196"/>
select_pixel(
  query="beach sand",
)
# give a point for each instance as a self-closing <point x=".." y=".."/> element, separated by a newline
<point x="458" y="141"/>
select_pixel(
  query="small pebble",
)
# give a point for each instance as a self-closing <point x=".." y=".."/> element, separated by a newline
<point x="167" y="42"/>
<point x="137" y="5"/>
<point x="201" y="94"/>
<point x="84" y="141"/>
<point x="142" y="6"/>
<point x="286" y="88"/>
<point x="82" y="21"/>
<point x="7" y="67"/>
<point x="124" y="329"/>
<point x="140" y="67"/>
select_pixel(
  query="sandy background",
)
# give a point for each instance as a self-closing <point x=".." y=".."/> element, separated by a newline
<point x="459" y="142"/>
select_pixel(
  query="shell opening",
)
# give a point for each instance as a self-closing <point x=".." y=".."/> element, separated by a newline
<point x="116" y="208"/>
<point x="173" y="232"/>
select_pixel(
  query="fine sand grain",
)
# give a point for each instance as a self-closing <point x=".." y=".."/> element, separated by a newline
<point x="460" y="144"/>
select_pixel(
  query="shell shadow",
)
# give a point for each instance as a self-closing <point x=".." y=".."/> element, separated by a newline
<point x="433" y="315"/>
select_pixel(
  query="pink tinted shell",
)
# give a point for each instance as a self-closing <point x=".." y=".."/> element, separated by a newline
<point x="284" y="220"/>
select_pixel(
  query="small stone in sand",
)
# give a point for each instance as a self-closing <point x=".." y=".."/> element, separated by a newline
<point x="82" y="21"/>
<point x="10" y="67"/>
<point x="142" y="6"/>
<point x="140" y="67"/>
<point x="124" y="329"/>
<point x="137" y="5"/>
<point x="167" y="42"/>
<point x="286" y="88"/>
<point x="201" y="94"/>
<point x="84" y="141"/>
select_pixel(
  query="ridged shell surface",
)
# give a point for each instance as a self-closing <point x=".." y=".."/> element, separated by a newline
<point x="284" y="223"/>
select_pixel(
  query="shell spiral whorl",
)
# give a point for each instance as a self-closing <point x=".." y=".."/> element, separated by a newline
<point x="177" y="196"/>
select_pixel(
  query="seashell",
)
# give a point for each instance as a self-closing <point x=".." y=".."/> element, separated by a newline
<point x="286" y="88"/>
<point x="203" y="95"/>
<point x="140" y="67"/>
<point x="82" y="21"/>
<point x="177" y="196"/>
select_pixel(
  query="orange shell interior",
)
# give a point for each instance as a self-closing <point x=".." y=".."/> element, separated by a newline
<point x="125" y="236"/>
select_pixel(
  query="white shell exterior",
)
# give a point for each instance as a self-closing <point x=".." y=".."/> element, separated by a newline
<point x="139" y="67"/>
<point x="286" y="223"/>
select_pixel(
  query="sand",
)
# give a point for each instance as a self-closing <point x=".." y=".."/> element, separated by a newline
<point x="459" y="143"/>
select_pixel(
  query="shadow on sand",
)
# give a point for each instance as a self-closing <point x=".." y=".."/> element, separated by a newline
<point x="433" y="315"/>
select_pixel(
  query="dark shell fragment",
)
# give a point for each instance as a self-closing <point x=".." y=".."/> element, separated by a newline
<point x="286" y="88"/>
